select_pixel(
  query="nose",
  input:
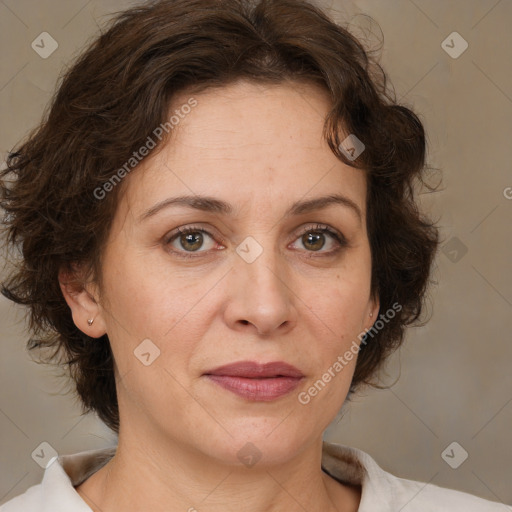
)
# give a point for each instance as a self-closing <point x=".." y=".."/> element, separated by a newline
<point x="260" y="295"/>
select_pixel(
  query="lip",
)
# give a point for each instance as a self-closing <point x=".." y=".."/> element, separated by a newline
<point x="251" y="369"/>
<point x="255" y="381"/>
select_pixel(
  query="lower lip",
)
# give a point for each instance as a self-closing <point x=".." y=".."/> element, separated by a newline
<point x="263" y="390"/>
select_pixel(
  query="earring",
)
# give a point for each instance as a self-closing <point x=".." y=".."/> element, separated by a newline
<point x="371" y="314"/>
<point x="90" y="321"/>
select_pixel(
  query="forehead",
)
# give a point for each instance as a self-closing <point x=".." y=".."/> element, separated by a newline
<point x="247" y="142"/>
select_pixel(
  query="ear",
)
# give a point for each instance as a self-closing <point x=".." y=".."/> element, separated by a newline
<point x="372" y="311"/>
<point x="82" y="298"/>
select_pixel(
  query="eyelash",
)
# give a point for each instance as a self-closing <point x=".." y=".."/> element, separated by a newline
<point x="318" y="228"/>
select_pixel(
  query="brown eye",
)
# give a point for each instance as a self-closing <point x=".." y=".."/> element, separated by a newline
<point x="313" y="240"/>
<point x="190" y="240"/>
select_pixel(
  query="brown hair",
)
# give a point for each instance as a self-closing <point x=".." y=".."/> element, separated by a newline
<point x="120" y="89"/>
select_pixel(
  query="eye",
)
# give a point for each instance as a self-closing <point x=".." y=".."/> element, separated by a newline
<point x="190" y="240"/>
<point x="313" y="240"/>
<point x="194" y="241"/>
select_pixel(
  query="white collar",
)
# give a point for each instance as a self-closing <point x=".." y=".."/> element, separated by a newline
<point x="381" y="491"/>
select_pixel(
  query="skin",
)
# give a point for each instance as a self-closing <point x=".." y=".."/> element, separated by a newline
<point x="260" y="149"/>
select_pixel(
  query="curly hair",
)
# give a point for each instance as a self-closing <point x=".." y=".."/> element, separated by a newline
<point x="120" y="89"/>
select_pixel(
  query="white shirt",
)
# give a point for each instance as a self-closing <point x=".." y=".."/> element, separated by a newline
<point x="381" y="491"/>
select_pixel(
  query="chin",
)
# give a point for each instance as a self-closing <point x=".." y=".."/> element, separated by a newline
<point x="260" y="442"/>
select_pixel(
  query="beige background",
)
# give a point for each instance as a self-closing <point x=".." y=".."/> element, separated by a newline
<point x="455" y="380"/>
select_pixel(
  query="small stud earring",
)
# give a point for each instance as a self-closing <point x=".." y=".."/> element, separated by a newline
<point x="90" y="321"/>
<point x="371" y="314"/>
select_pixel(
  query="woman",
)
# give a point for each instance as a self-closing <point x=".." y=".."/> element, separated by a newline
<point x="220" y="238"/>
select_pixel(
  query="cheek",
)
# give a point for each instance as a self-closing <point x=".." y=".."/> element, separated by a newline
<point x="147" y="327"/>
<point x="148" y="303"/>
<point x="343" y="300"/>
<point x="336" y="322"/>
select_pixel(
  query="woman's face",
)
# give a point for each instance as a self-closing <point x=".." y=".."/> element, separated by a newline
<point x="255" y="280"/>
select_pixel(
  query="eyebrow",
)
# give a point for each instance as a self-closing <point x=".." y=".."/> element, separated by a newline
<point x="213" y="205"/>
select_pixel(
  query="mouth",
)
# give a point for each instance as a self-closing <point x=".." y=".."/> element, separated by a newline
<point x="257" y="382"/>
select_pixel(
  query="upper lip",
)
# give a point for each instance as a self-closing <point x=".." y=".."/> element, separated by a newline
<point x="251" y="369"/>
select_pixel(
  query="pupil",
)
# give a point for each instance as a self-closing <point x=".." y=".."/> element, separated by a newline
<point x="194" y="240"/>
<point x="316" y="237"/>
<point x="190" y="237"/>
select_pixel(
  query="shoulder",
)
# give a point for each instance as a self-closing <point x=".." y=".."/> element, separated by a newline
<point x="56" y="492"/>
<point x="29" y="501"/>
<point x="385" y="492"/>
<point x="414" y="496"/>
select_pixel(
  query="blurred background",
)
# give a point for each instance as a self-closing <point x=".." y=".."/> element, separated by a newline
<point x="447" y="417"/>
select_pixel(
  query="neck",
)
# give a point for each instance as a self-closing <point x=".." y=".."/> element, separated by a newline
<point x="177" y="478"/>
